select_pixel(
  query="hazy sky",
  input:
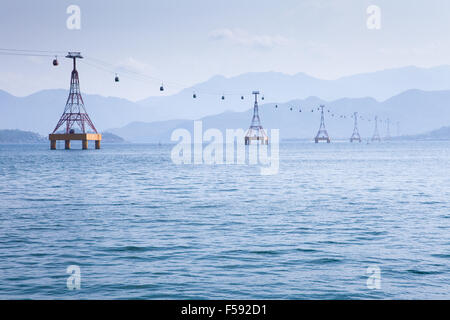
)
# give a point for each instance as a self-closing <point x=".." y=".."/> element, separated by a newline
<point x="186" y="42"/>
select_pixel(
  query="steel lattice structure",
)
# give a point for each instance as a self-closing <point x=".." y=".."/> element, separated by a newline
<point x="75" y="112"/>
<point x="388" y="129"/>
<point x="322" y="134"/>
<point x="355" y="136"/>
<point x="376" y="135"/>
<point x="256" y="131"/>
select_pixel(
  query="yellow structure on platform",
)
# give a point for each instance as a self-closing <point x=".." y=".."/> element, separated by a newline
<point x="67" y="137"/>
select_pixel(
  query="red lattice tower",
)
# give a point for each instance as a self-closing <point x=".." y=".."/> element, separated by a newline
<point x="75" y="112"/>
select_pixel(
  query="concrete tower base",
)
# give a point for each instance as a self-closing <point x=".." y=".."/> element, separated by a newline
<point x="84" y="137"/>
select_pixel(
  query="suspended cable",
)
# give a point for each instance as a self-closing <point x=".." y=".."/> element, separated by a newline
<point x="28" y="50"/>
<point x="172" y="83"/>
<point x="26" y="54"/>
<point x="138" y="76"/>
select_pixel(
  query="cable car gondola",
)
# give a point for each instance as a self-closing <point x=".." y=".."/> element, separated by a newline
<point x="55" y="61"/>
<point x="194" y="95"/>
<point x="162" y="87"/>
<point x="223" y="97"/>
<point x="116" y="78"/>
<point x="262" y="98"/>
<point x="242" y="97"/>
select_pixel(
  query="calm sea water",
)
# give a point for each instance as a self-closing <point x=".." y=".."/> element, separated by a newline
<point x="139" y="226"/>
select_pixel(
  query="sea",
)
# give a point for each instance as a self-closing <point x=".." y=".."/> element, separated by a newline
<point x="338" y="221"/>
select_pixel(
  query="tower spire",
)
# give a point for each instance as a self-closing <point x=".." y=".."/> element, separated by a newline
<point x="376" y="135"/>
<point x="322" y="134"/>
<point x="256" y="131"/>
<point x="75" y="112"/>
<point x="355" y="136"/>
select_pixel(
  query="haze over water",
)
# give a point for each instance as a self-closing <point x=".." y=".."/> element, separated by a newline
<point x="140" y="226"/>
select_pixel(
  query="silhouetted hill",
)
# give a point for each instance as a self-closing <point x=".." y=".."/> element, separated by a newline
<point x="18" y="136"/>
<point x="439" y="134"/>
<point x="109" y="137"/>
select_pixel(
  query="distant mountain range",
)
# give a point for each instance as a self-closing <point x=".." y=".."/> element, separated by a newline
<point x="279" y="87"/>
<point x="18" y="136"/>
<point x="417" y="111"/>
<point x="414" y="110"/>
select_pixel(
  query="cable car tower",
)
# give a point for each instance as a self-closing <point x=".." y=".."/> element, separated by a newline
<point x="376" y="135"/>
<point x="322" y="134"/>
<point x="388" y="129"/>
<point x="355" y="136"/>
<point x="75" y="122"/>
<point x="256" y="131"/>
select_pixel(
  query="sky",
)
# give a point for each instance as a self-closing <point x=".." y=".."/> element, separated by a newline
<point x="186" y="42"/>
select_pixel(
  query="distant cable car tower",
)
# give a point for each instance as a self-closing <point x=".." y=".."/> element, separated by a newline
<point x="256" y="131"/>
<point x="376" y="135"/>
<point x="355" y="136"/>
<point x="75" y="114"/>
<point x="322" y="134"/>
<point x="388" y="129"/>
